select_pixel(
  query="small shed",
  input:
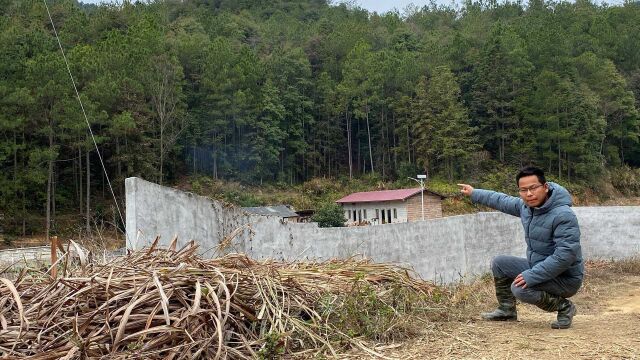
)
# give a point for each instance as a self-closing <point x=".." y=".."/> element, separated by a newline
<point x="282" y="211"/>
<point x="304" y="216"/>
<point x="390" y="206"/>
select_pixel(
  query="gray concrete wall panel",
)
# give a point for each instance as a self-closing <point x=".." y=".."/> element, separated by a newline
<point x="442" y="249"/>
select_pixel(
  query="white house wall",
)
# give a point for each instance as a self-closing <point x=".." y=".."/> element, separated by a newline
<point x="400" y="206"/>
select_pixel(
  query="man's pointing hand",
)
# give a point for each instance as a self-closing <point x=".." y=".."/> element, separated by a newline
<point x="466" y="189"/>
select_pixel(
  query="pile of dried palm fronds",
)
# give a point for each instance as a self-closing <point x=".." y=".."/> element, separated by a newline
<point x="176" y="305"/>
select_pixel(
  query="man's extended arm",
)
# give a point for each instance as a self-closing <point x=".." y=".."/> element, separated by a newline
<point x="499" y="201"/>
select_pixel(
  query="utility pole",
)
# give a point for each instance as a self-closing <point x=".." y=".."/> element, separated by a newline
<point x="420" y="180"/>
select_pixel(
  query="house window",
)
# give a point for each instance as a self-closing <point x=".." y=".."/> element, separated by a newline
<point x="384" y="218"/>
<point x="389" y="216"/>
<point x="359" y="215"/>
<point x="395" y="213"/>
<point x="364" y="214"/>
<point x="354" y="216"/>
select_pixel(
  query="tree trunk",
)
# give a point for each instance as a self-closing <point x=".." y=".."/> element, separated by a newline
<point x="118" y="162"/>
<point x="281" y="159"/>
<point x="603" y="138"/>
<point x="304" y="163"/>
<point x="559" y="147"/>
<point x="408" y="144"/>
<point x="559" y="163"/>
<point x="359" y="147"/>
<point x="349" y="147"/>
<point x="384" y="141"/>
<point x="24" y="195"/>
<point x="15" y="167"/>
<point x="53" y="193"/>
<point x="49" y="185"/>
<point x="369" y="136"/>
<point x="161" y="149"/>
<point x="502" y="151"/>
<point x="104" y="185"/>
<point x="88" y="195"/>
<point x="24" y="213"/>
<point x="81" y="199"/>
<point x="15" y="159"/>
<point x="74" y="173"/>
<point x="215" y="164"/>
<point x="395" y="141"/>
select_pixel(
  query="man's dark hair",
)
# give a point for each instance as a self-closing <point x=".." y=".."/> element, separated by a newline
<point x="528" y="171"/>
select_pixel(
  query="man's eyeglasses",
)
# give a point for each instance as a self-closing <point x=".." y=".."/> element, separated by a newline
<point x="531" y="189"/>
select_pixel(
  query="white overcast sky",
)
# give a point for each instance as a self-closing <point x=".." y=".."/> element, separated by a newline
<point x="381" y="6"/>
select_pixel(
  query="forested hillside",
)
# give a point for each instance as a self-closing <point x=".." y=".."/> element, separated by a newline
<point x="288" y="90"/>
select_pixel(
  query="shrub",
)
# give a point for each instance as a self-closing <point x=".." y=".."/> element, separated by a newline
<point x="626" y="180"/>
<point x="502" y="179"/>
<point x="330" y="215"/>
<point x="319" y="186"/>
<point x="7" y="239"/>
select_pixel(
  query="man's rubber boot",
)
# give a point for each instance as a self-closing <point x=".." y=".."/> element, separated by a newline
<point x="565" y="308"/>
<point x="506" y="310"/>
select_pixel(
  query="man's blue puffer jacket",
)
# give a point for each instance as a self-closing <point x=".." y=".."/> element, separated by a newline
<point x="551" y="232"/>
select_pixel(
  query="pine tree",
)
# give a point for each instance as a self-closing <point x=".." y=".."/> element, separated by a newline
<point x="443" y="133"/>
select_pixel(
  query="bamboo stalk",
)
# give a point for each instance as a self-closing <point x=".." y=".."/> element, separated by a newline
<point x="54" y="257"/>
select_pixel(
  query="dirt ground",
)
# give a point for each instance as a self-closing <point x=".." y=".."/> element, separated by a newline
<point x="607" y="326"/>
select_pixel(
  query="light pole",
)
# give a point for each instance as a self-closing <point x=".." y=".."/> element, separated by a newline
<point x="420" y="180"/>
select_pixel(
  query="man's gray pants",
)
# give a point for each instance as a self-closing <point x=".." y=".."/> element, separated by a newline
<point x="511" y="266"/>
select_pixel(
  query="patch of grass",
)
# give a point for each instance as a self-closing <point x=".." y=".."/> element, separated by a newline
<point x="7" y="240"/>
<point x="382" y="316"/>
<point x="626" y="180"/>
<point x="363" y="313"/>
<point x="605" y="268"/>
<point x="469" y="297"/>
<point x="629" y="266"/>
<point x="272" y="348"/>
<point x="457" y="206"/>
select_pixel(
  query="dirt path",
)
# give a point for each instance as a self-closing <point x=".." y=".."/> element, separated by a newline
<point x="607" y="326"/>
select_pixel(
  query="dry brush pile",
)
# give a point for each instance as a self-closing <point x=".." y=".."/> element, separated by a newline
<point x="170" y="304"/>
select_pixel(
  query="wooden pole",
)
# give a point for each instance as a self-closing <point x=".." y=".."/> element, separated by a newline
<point x="54" y="256"/>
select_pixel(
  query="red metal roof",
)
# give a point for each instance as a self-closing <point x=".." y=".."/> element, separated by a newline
<point x="375" y="196"/>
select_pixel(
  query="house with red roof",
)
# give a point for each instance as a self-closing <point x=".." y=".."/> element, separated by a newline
<point x="390" y="206"/>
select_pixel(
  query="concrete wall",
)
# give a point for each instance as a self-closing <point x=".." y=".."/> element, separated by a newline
<point x="40" y="254"/>
<point x="440" y="249"/>
<point x="154" y="210"/>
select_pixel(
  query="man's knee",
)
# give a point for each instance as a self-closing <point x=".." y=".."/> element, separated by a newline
<point x="497" y="264"/>
<point x="527" y="295"/>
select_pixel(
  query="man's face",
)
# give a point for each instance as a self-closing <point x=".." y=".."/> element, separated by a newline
<point x="532" y="191"/>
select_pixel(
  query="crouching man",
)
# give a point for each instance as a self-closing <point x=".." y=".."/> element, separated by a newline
<point x="553" y="269"/>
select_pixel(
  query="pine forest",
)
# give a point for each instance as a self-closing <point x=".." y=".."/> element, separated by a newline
<point x="286" y="91"/>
